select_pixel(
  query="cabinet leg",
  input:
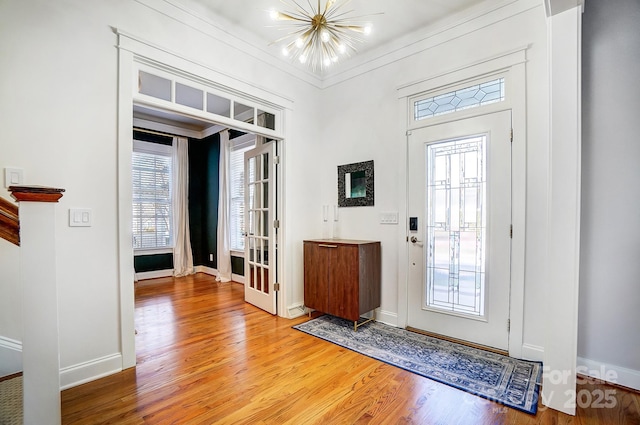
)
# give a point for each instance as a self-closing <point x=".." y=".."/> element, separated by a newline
<point x="356" y="325"/>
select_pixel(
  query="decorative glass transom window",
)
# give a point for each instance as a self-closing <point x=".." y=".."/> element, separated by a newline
<point x="468" y="97"/>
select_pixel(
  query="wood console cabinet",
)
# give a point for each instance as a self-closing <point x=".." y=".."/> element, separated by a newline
<point x="342" y="277"/>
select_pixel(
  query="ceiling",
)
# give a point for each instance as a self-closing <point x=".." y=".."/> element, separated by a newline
<point x="390" y="19"/>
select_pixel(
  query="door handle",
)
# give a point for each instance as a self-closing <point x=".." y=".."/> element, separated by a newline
<point x="415" y="241"/>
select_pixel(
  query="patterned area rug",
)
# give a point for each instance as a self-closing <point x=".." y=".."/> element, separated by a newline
<point x="502" y="379"/>
<point x="11" y="401"/>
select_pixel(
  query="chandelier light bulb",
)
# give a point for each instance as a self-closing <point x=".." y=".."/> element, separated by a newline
<point x="367" y="30"/>
<point x="302" y="58"/>
<point x="342" y="48"/>
<point x="274" y="14"/>
<point x="325" y="36"/>
<point x="299" y="42"/>
<point x="285" y="51"/>
<point x="327" y="61"/>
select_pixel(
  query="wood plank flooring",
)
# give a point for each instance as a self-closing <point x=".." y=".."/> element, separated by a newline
<point x="206" y="357"/>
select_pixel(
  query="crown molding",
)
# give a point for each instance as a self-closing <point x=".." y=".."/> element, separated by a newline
<point x="485" y="13"/>
<point x="469" y="21"/>
<point x="218" y="28"/>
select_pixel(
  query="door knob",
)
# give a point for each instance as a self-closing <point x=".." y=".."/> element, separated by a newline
<point x="415" y="241"/>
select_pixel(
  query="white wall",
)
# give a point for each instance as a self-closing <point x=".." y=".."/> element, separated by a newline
<point x="368" y="126"/>
<point x="610" y="238"/>
<point x="58" y="103"/>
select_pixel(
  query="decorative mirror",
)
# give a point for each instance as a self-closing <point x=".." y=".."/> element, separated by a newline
<point x="355" y="185"/>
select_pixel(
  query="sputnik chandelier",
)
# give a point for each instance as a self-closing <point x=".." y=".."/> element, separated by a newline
<point x="318" y="37"/>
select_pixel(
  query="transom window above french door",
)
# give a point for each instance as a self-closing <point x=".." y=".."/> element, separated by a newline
<point x="193" y="97"/>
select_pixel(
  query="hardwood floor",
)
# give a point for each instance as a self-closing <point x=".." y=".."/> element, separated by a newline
<point x="205" y="356"/>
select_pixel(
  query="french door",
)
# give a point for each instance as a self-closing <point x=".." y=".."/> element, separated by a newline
<point x="260" y="259"/>
<point x="459" y="240"/>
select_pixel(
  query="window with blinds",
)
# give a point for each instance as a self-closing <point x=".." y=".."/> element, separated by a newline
<point x="152" y="211"/>
<point x="236" y="189"/>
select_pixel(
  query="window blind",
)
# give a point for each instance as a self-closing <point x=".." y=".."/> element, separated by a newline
<point x="238" y="147"/>
<point x="152" y="211"/>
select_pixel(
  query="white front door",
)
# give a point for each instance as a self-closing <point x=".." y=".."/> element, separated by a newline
<point x="460" y="207"/>
<point x="260" y="259"/>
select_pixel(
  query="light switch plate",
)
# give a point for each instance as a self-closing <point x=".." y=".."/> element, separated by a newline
<point x="13" y="177"/>
<point x="80" y="217"/>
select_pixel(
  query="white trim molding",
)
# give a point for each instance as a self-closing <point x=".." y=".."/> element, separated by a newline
<point x="387" y="317"/>
<point x="511" y="65"/>
<point x="610" y="373"/>
<point x="153" y="274"/>
<point x="560" y="320"/>
<point x="81" y="373"/>
<point x="532" y="352"/>
<point x="10" y="356"/>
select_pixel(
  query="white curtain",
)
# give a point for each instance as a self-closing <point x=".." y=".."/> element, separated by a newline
<point x="224" y="240"/>
<point x="182" y="254"/>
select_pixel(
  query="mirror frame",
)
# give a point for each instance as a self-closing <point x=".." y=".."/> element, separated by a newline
<point x="364" y="201"/>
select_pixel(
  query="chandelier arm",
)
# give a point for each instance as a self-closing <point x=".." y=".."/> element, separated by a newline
<point x="301" y="10"/>
<point x="296" y="33"/>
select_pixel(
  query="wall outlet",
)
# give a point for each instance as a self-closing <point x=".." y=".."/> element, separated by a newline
<point x="210" y="257"/>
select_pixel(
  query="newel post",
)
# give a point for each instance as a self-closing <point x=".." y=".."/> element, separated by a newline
<point x="40" y="344"/>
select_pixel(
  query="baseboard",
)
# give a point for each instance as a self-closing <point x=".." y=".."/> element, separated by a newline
<point x="207" y="270"/>
<point x="153" y="274"/>
<point x="296" y="310"/>
<point x="610" y="373"/>
<point x="387" y="317"/>
<point x="214" y="272"/>
<point x="10" y="356"/>
<point x="90" y="371"/>
<point x="532" y="352"/>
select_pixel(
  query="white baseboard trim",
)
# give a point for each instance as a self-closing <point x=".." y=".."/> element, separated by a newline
<point x="610" y="373"/>
<point x="532" y="352"/>
<point x="214" y="272"/>
<point x="296" y="310"/>
<point x="387" y="317"/>
<point x="207" y="270"/>
<point x="81" y="373"/>
<point x="154" y="274"/>
<point x="10" y="356"/>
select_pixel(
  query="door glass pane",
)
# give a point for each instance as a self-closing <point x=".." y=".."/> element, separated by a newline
<point x="265" y="166"/>
<point x="265" y="220"/>
<point x="266" y="253"/>
<point x="252" y="169"/>
<point x="265" y="197"/>
<point x="265" y="288"/>
<point x="456" y="225"/>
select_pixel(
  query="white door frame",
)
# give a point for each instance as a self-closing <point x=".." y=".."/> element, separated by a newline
<point x="510" y="65"/>
<point x="132" y="50"/>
